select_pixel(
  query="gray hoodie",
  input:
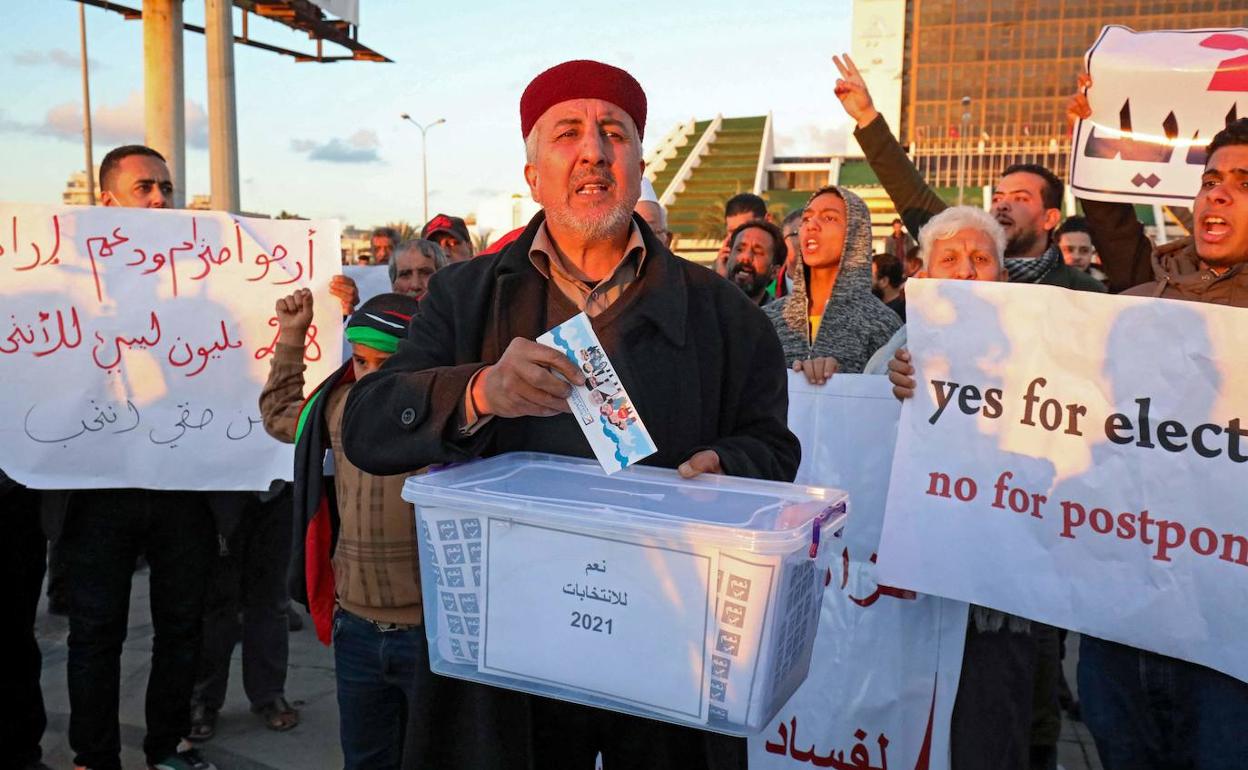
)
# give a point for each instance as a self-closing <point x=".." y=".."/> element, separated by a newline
<point x="855" y="323"/>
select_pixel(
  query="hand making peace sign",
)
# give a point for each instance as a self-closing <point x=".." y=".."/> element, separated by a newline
<point x="851" y="89"/>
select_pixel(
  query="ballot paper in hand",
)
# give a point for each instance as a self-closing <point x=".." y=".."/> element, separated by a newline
<point x="601" y="406"/>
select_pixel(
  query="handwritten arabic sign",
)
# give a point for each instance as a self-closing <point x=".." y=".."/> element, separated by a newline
<point x="885" y="670"/>
<point x="134" y="344"/>
<point x="1157" y="99"/>
<point x="1093" y="481"/>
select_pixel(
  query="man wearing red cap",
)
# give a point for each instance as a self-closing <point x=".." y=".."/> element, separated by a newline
<point x="701" y="362"/>
<point x="451" y="233"/>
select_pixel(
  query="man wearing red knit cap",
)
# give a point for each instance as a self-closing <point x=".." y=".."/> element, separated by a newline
<point x="701" y="362"/>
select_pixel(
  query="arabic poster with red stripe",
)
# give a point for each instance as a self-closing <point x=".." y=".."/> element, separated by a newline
<point x="1157" y="98"/>
<point x="884" y="673"/>
<point x="134" y="343"/>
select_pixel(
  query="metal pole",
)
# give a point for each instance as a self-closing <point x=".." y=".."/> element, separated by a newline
<point x="222" y="117"/>
<point x="86" y="104"/>
<point x="1159" y="218"/>
<point x="164" y="96"/>
<point x="961" y="160"/>
<point x="966" y="122"/>
<point x="424" y="158"/>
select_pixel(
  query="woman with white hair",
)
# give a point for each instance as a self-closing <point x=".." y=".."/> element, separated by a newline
<point x="961" y="243"/>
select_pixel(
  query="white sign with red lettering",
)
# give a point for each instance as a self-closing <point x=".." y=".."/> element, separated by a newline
<point x="134" y="343"/>
<point x="885" y="669"/>
<point x="1157" y="98"/>
<point x="1089" y="473"/>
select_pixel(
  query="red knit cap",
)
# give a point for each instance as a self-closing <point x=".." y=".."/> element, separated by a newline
<point x="582" y="79"/>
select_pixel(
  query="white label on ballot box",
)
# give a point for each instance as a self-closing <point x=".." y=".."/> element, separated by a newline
<point x="614" y="619"/>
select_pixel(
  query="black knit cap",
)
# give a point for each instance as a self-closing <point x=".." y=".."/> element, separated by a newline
<point x="382" y="321"/>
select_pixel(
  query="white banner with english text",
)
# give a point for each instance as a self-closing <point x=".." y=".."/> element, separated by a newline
<point x="1157" y="98"/>
<point x="1079" y="459"/>
<point x="134" y="343"/>
<point x="884" y="674"/>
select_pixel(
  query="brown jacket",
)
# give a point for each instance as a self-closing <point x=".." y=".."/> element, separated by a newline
<point x="1181" y="275"/>
<point x="375" y="564"/>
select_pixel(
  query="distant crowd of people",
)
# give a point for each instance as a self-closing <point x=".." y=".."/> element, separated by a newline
<point x="445" y="368"/>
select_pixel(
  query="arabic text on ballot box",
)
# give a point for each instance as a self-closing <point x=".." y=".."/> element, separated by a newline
<point x="693" y="601"/>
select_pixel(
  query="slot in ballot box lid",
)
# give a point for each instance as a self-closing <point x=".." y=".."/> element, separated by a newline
<point x="756" y="515"/>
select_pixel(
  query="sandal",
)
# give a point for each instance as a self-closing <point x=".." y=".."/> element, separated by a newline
<point x="278" y="714"/>
<point x="203" y="722"/>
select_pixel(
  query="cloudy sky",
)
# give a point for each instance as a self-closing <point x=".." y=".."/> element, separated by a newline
<point x="325" y="140"/>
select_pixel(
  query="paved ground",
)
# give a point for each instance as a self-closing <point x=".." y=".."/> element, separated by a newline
<point x="242" y="742"/>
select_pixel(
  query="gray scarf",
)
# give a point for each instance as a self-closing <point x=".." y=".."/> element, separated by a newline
<point x="1032" y="270"/>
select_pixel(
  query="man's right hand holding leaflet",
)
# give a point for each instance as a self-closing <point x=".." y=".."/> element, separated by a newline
<point x="523" y="382"/>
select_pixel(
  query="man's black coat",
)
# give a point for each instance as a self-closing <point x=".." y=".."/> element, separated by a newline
<point x="701" y="363"/>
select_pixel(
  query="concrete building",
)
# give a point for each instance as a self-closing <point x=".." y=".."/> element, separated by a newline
<point x="700" y="164"/>
<point x="75" y="193"/>
<point x="1016" y="60"/>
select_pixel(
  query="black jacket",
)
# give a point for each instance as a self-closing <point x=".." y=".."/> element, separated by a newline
<point x="227" y="508"/>
<point x="1118" y="236"/>
<point x="700" y="361"/>
<point x="702" y="365"/>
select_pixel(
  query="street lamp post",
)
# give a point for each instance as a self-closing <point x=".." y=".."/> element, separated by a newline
<point x="86" y="103"/>
<point x="424" y="161"/>
<point x="966" y="123"/>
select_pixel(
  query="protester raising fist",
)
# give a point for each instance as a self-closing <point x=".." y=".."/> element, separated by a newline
<point x="294" y="316"/>
<point x="851" y="89"/>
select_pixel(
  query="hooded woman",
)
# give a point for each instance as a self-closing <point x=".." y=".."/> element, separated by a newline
<point x="831" y="321"/>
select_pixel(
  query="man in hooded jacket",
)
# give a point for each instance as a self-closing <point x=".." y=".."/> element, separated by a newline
<point x="853" y="322"/>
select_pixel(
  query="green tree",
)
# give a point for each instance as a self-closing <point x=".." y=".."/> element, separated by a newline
<point x="710" y="223"/>
<point x="406" y="230"/>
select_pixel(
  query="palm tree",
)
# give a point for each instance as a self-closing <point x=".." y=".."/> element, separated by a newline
<point x="710" y="223"/>
<point x="406" y="230"/>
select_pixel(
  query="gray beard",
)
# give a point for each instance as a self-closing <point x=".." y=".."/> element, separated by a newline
<point x="593" y="229"/>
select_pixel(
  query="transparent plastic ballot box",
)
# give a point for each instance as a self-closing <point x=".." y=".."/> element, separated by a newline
<point x="691" y="601"/>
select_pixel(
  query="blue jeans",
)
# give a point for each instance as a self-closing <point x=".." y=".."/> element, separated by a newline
<point x="1148" y="711"/>
<point x="382" y="677"/>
